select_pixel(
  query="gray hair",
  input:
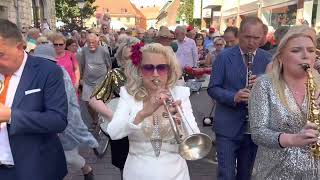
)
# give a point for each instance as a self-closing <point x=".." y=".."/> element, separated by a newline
<point x="181" y="28"/>
<point x="219" y="39"/>
<point x="93" y="36"/>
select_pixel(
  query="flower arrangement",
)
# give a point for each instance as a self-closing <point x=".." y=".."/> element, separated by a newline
<point x="136" y="54"/>
<point x="198" y="73"/>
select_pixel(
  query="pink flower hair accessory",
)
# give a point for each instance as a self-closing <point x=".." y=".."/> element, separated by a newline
<point x="136" y="54"/>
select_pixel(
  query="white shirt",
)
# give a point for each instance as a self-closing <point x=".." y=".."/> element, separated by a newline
<point x="5" y="149"/>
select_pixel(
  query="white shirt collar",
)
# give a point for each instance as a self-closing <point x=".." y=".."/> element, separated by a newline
<point x="20" y="70"/>
<point x="242" y="53"/>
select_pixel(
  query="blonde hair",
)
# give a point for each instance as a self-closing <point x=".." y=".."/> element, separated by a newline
<point x="134" y="83"/>
<point x="57" y="36"/>
<point x="42" y="39"/>
<point x="277" y="71"/>
<point x="219" y="39"/>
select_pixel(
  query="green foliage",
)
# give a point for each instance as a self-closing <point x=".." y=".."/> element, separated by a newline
<point x="69" y="12"/>
<point x="186" y="8"/>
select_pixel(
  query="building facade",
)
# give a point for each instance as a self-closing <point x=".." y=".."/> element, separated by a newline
<point x="151" y="13"/>
<point x="168" y="15"/>
<point x="26" y="13"/>
<point x="122" y="12"/>
<point x="274" y="13"/>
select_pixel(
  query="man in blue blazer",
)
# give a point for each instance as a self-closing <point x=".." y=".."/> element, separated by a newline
<point x="228" y="86"/>
<point x="32" y="112"/>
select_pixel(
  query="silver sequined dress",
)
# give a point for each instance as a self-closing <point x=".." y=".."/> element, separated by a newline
<point x="268" y="118"/>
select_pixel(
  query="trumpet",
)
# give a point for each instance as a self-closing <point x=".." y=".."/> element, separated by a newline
<point x="193" y="147"/>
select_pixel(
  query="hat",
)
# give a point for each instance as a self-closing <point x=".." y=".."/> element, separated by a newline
<point x="45" y="51"/>
<point x="164" y="32"/>
<point x="212" y="30"/>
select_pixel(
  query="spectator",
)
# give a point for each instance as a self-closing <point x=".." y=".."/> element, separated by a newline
<point x="231" y="36"/>
<point x="187" y="52"/>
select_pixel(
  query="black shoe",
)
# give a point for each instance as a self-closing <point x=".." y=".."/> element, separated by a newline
<point x="89" y="176"/>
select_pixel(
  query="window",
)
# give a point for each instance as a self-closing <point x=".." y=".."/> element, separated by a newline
<point x="128" y="19"/>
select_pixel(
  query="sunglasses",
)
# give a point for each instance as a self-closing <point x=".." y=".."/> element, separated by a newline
<point x="58" y="45"/>
<point x="148" y="69"/>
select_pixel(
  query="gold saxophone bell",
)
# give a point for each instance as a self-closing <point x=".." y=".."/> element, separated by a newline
<point x="193" y="147"/>
<point x="313" y="108"/>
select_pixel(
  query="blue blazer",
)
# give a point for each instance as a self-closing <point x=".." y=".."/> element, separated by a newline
<point x="36" y="119"/>
<point x="229" y="74"/>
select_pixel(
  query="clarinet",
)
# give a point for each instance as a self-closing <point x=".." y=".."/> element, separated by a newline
<point x="249" y="60"/>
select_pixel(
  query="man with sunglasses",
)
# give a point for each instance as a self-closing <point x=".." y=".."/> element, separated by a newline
<point x="105" y="32"/>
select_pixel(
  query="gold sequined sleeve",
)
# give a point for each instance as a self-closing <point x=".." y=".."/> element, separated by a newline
<point x="260" y="114"/>
<point x="110" y="86"/>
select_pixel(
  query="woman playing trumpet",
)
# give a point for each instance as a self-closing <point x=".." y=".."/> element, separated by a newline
<point x="141" y="116"/>
<point x="278" y="111"/>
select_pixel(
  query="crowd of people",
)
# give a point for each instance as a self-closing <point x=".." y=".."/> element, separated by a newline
<point x="262" y="118"/>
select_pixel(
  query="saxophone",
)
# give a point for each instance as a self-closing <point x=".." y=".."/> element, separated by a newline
<point x="313" y="108"/>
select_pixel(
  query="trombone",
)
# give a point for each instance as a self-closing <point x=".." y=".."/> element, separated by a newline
<point x="193" y="147"/>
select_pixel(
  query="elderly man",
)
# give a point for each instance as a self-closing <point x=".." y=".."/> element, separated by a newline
<point x="187" y="52"/>
<point x="94" y="61"/>
<point x="105" y="31"/>
<point x="33" y="110"/>
<point x="230" y="87"/>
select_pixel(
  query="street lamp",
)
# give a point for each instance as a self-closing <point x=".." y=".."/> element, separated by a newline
<point x="81" y="4"/>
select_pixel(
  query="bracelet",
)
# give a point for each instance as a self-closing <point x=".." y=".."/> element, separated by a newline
<point x="279" y="141"/>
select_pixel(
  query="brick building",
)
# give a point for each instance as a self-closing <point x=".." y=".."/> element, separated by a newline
<point x="27" y="13"/>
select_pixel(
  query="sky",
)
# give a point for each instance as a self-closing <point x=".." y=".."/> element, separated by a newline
<point x="139" y="3"/>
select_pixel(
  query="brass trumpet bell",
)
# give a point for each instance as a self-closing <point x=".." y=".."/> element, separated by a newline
<point x="195" y="146"/>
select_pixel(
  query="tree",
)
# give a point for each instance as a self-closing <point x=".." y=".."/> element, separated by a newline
<point x="186" y="8"/>
<point x="69" y="12"/>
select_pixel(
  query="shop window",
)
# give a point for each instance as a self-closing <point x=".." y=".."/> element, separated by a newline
<point x="282" y="16"/>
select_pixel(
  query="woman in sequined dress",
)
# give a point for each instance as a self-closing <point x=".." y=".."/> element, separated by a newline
<point x="278" y="109"/>
<point x="153" y="151"/>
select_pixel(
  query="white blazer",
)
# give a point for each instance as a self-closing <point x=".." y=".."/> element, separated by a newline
<point x="127" y="109"/>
